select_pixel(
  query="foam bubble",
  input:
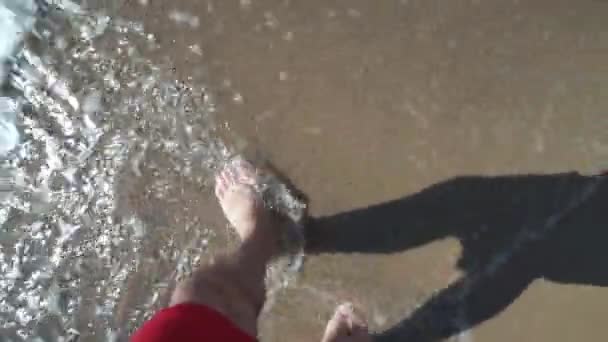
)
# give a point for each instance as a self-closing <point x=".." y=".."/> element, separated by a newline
<point x="9" y="136"/>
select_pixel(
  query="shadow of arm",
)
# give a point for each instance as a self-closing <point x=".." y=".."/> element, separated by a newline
<point x="444" y="209"/>
<point x="384" y="228"/>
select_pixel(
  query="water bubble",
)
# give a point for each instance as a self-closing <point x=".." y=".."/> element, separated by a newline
<point x="196" y="49"/>
<point x="288" y="36"/>
<point x="270" y="20"/>
<point x="353" y="13"/>
<point x="184" y="18"/>
<point x="331" y="13"/>
<point x="238" y="98"/>
<point x="245" y="4"/>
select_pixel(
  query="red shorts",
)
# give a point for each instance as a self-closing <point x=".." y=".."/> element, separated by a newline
<point x="190" y="322"/>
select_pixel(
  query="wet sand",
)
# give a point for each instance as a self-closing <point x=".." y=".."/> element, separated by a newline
<point x="363" y="102"/>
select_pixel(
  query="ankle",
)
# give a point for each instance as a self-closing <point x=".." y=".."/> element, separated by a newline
<point x="261" y="241"/>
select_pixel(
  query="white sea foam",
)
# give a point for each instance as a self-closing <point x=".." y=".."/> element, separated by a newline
<point x="16" y="19"/>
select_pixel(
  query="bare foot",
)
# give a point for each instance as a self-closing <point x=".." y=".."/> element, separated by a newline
<point x="242" y="204"/>
<point x="346" y="326"/>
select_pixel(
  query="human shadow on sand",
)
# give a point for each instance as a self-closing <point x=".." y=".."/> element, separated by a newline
<point x="513" y="230"/>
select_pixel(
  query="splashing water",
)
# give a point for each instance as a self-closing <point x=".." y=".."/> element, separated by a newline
<point x="102" y="128"/>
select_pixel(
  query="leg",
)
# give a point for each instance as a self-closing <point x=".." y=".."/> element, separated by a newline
<point x="234" y="284"/>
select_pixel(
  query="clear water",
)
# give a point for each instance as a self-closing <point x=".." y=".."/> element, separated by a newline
<point x="94" y="117"/>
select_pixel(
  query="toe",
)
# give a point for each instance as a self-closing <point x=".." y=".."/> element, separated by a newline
<point x="234" y="174"/>
<point x="240" y="162"/>
<point x="244" y="171"/>
<point x="355" y="320"/>
<point x="336" y="327"/>
<point x="220" y="186"/>
<point x="227" y="178"/>
<point x="346" y="325"/>
<point x="243" y="176"/>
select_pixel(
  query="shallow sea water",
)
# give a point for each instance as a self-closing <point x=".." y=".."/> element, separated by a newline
<point x="374" y="110"/>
